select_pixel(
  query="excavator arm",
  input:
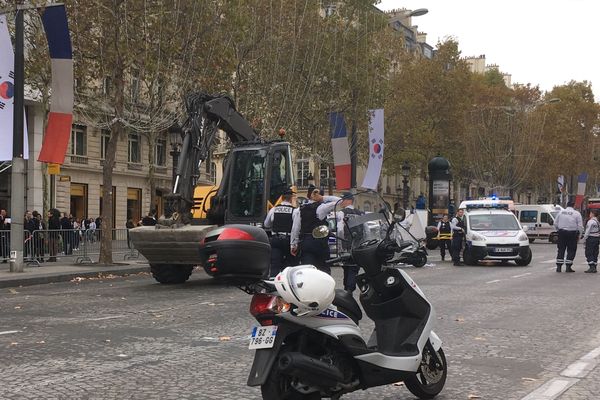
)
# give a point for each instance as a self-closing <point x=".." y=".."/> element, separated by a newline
<point x="206" y="114"/>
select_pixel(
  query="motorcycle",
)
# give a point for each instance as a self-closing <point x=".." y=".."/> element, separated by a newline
<point x="308" y="342"/>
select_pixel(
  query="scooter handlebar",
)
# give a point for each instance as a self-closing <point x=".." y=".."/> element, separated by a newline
<point x="335" y="260"/>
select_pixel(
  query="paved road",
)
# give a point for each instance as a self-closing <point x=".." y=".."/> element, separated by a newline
<point x="507" y="330"/>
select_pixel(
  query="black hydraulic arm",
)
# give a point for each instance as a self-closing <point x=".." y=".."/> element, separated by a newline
<point x="206" y="114"/>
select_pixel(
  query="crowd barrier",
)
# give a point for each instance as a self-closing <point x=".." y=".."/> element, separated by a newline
<point x="67" y="245"/>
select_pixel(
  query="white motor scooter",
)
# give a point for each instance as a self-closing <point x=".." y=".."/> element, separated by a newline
<point x="309" y="345"/>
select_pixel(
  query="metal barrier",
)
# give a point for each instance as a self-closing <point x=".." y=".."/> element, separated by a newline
<point x="53" y="245"/>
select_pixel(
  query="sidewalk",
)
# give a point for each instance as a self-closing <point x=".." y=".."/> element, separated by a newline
<point x="65" y="271"/>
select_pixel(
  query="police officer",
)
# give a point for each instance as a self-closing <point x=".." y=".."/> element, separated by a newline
<point x="569" y="224"/>
<point x="310" y="215"/>
<point x="444" y="233"/>
<point x="279" y="221"/>
<point x="592" y="241"/>
<point x="458" y="235"/>
<point x="344" y="237"/>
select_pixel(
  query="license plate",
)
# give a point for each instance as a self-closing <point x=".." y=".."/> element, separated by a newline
<point x="263" y="337"/>
<point x="503" y="250"/>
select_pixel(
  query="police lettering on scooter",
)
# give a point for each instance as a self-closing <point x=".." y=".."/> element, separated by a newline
<point x="458" y="235"/>
<point x="569" y="224"/>
<point x="312" y="215"/>
<point x="279" y="221"/>
<point x="343" y="234"/>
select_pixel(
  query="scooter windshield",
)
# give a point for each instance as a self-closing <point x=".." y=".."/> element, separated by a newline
<point x="364" y="228"/>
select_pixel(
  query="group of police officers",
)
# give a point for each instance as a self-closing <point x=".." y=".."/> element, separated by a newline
<point x="293" y="239"/>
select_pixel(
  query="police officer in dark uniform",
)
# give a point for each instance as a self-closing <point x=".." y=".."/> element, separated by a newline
<point x="444" y="234"/>
<point x="344" y="236"/>
<point x="279" y="221"/>
<point x="458" y="235"/>
<point x="311" y="215"/>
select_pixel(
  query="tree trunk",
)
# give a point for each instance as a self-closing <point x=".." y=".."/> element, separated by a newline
<point x="116" y="132"/>
<point x="152" y="170"/>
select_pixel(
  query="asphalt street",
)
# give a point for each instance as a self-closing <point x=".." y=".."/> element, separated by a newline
<point x="507" y="332"/>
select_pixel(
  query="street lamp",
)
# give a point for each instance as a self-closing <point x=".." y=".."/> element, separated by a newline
<point x="529" y="196"/>
<point x="176" y="141"/>
<point x="405" y="175"/>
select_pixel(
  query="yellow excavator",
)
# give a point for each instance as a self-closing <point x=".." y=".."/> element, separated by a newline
<point x="256" y="173"/>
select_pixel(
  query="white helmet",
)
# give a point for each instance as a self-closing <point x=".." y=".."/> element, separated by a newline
<point x="311" y="290"/>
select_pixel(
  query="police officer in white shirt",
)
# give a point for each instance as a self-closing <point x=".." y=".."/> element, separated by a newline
<point x="310" y="215"/>
<point x="569" y="224"/>
<point x="279" y="221"/>
<point x="592" y="241"/>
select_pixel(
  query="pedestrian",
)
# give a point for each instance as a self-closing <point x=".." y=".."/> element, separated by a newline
<point x="279" y="221"/>
<point x="444" y="236"/>
<point x="149" y="219"/>
<point x="4" y="236"/>
<point x="344" y="236"/>
<point x="67" y="234"/>
<point x="569" y="224"/>
<point x="421" y="202"/>
<point x="307" y="221"/>
<point x="591" y="238"/>
<point x="53" y="233"/>
<point x="129" y="225"/>
<point x="76" y="233"/>
<point x="39" y="248"/>
<point x="458" y="235"/>
<point x="91" y="231"/>
<point x="30" y="225"/>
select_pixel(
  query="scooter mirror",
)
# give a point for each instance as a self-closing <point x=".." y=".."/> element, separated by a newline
<point x="399" y="214"/>
<point x="320" y="232"/>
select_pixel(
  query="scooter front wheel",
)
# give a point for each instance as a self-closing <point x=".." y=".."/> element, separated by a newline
<point x="420" y="260"/>
<point x="429" y="380"/>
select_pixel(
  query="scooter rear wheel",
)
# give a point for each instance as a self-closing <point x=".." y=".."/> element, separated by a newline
<point x="279" y="387"/>
<point x="429" y="381"/>
<point x="420" y="260"/>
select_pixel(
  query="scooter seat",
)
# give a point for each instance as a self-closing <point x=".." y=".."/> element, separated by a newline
<point x="345" y="302"/>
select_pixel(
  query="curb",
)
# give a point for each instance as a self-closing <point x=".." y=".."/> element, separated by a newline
<point x="68" y="276"/>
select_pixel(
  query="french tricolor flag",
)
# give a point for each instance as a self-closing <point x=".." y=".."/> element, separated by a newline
<point x="60" y="119"/>
<point x="341" y="151"/>
<point x="581" y="183"/>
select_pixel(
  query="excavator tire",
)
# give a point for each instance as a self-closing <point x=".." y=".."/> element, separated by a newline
<point x="169" y="274"/>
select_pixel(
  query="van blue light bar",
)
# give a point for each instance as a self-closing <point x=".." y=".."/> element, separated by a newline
<point x="497" y="206"/>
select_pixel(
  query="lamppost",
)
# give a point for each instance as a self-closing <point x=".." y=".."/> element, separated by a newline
<point x="405" y="175"/>
<point x="176" y="141"/>
<point x="528" y="196"/>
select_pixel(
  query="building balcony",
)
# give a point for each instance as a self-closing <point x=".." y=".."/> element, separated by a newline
<point x="79" y="160"/>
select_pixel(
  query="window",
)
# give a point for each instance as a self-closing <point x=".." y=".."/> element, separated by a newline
<point x="325" y="175"/>
<point x="213" y="172"/>
<point x="303" y="173"/>
<point x="248" y="184"/>
<point x="134" y="153"/>
<point x="79" y="140"/>
<point x="279" y="175"/>
<point x="493" y="222"/>
<point x="135" y="85"/>
<point x="546" y="219"/>
<point x="104" y="138"/>
<point x="107" y="85"/>
<point x="528" y="216"/>
<point x="160" y="153"/>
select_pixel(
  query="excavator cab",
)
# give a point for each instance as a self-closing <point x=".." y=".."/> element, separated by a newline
<point x="255" y="177"/>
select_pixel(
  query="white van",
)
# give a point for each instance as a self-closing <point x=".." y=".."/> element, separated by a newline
<point x="539" y="220"/>
<point x="493" y="233"/>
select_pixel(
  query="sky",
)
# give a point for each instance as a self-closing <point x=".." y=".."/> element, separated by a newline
<point x="542" y="42"/>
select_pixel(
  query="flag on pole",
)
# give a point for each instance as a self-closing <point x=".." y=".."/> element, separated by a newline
<point x="376" y="143"/>
<point x="341" y="151"/>
<point x="58" y="129"/>
<point x="7" y="92"/>
<point x="581" y="183"/>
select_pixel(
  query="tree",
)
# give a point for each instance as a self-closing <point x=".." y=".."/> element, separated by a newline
<point x="133" y="59"/>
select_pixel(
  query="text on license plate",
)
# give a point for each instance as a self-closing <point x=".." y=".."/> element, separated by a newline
<point x="263" y="337"/>
<point x="503" y="250"/>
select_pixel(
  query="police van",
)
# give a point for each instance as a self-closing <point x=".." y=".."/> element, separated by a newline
<point x="539" y="219"/>
<point x="492" y="232"/>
